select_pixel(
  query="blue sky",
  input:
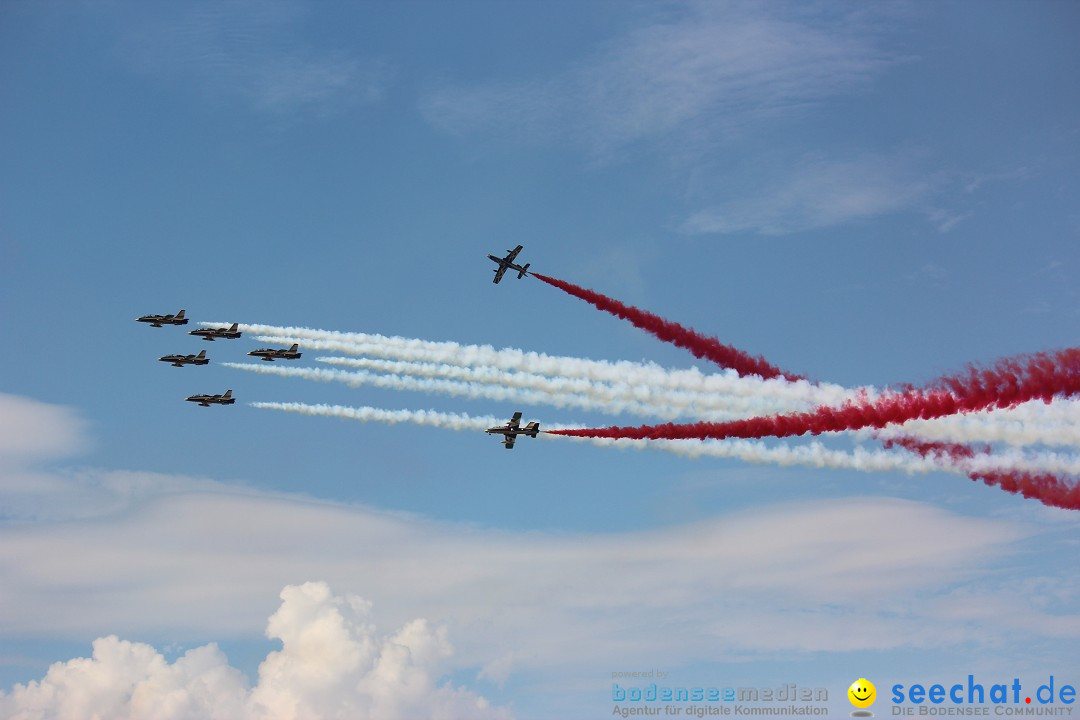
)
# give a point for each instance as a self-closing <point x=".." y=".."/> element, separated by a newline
<point x="863" y="194"/>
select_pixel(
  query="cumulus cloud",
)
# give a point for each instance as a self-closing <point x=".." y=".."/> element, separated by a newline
<point x="332" y="664"/>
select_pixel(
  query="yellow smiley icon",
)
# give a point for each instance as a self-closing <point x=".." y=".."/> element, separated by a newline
<point x="862" y="693"/>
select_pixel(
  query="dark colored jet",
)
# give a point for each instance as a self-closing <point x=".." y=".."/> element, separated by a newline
<point x="210" y="333"/>
<point x="159" y="320"/>
<point x="272" y="354"/>
<point x="182" y="360"/>
<point x="512" y="429"/>
<point x="507" y="263"/>
<point x="208" y="400"/>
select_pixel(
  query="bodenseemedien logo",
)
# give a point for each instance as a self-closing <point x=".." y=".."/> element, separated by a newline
<point x="862" y="694"/>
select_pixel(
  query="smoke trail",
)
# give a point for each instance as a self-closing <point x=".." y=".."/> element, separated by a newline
<point x="512" y="359"/>
<point x="700" y="345"/>
<point x="1034" y="422"/>
<point x="450" y="421"/>
<point x="461" y="389"/>
<point x="639" y="398"/>
<point x="1048" y="488"/>
<point x="1030" y="423"/>
<point x="1007" y="383"/>
<point x="813" y="454"/>
<point x="452" y="353"/>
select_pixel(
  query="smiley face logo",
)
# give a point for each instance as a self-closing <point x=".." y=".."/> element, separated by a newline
<point x="862" y="693"/>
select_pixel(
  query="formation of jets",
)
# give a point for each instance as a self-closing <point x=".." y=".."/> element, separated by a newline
<point x="182" y="360"/>
<point x="159" y="320"/>
<point x="507" y="263"/>
<point x="211" y="333"/>
<point x="512" y="429"/>
<point x="272" y="354"/>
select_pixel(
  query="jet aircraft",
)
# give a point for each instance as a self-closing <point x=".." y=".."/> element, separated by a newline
<point x="272" y="354"/>
<point x="182" y="360"/>
<point x="507" y="263"/>
<point x="208" y="400"/>
<point x="159" y="320"/>
<point x="210" y="333"/>
<point x="512" y="429"/>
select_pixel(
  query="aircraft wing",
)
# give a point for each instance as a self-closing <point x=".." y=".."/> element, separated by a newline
<point x="508" y="441"/>
<point x="513" y="254"/>
<point x="515" y="422"/>
<point x="499" y="273"/>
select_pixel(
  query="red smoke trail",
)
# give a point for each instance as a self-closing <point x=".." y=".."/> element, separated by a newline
<point x="1046" y="487"/>
<point x="700" y="345"/>
<point x="950" y="451"/>
<point x="1007" y="383"/>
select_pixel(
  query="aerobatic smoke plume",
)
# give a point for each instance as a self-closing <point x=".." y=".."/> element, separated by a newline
<point x="645" y="374"/>
<point x="1050" y="489"/>
<point x="813" y="454"/>
<point x="1031" y="423"/>
<point x="700" y="345"/>
<point x="1041" y="376"/>
<point x="610" y="397"/>
<point x="523" y="393"/>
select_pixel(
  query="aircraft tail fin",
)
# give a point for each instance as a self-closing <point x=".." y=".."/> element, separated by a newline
<point x="201" y="355"/>
<point x="524" y="271"/>
<point x="294" y="347"/>
<point x="532" y="429"/>
<point x="180" y="315"/>
<point x="228" y="394"/>
<point x="233" y="328"/>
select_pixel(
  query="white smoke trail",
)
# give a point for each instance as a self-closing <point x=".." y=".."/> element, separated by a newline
<point x="1030" y="423"/>
<point x="450" y="421"/>
<point x="668" y="404"/>
<point x="812" y="454"/>
<point x="722" y="393"/>
<point x="790" y="394"/>
<point x="459" y="389"/>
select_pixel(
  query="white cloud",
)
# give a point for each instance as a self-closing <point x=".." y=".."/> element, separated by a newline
<point x="166" y="557"/>
<point x="705" y="68"/>
<point x="245" y="49"/>
<point x="816" y="193"/>
<point x="332" y="664"/>
<point x="32" y="430"/>
<point x="782" y="578"/>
